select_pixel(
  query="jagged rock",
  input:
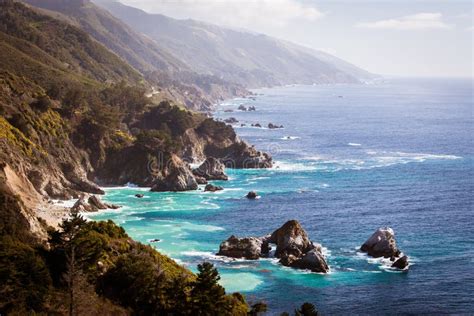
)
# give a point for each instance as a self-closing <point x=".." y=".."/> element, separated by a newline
<point x="138" y="195"/>
<point x="257" y="125"/>
<point x="251" y="195"/>
<point x="91" y="203"/>
<point x="381" y="244"/>
<point x="243" y="125"/>
<point x="211" y="169"/>
<point x="401" y="263"/>
<point x="176" y="177"/>
<point x="248" y="247"/>
<point x="293" y="248"/>
<point x="273" y="126"/>
<point x="291" y="239"/>
<point x="251" y="108"/>
<point x="212" y="188"/>
<point x="154" y="240"/>
<point x="242" y="108"/>
<point x="82" y="205"/>
<point x="313" y="260"/>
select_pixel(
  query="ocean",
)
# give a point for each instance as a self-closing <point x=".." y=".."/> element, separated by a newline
<point x="350" y="159"/>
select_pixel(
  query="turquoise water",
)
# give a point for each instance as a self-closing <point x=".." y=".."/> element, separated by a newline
<point x="398" y="153"/>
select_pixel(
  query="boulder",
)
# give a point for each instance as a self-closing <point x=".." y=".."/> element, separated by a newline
<point x="252" y="195"/>
<point x="138" y="195"/>
<point x="176" y="177"/>
<point x="251" y="108"/>
<point x="381" y="244"/>
<point x="242" y="108"/>
<point x="250" y="248"/>
<point x="313" y="260"/>
<point x="212" y="188"/>
<point x="291" y="239"/>
<point x="401" y="263"/>
<point x="211" y="169"/>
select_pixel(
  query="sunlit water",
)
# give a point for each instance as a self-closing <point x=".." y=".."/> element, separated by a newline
<point x="350" y="159"/>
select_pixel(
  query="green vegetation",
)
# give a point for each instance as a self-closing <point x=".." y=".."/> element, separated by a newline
<point x="98" y="262"/>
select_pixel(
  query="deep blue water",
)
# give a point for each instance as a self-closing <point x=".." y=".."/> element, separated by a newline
<point x="398" y="154"/>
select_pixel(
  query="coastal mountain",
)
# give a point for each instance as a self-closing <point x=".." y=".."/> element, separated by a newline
<point x="170" y="77"/>
<point x="74" y="114"/>
<point x="252" y="60"/>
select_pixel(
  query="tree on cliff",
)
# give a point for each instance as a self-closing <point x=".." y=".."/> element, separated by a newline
<point x="207" y="295"/>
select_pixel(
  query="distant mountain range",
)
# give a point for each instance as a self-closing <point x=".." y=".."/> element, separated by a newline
<point x="195" y="54"/>
<point x="252" y="60"/>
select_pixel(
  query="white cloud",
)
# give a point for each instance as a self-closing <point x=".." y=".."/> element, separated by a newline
<point x="235" y="13"/>
<point x="470" y="28"/>
<point x="420" y="21"/>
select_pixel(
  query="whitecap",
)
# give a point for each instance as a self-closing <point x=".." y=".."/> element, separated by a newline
<point x="288" y="166"/>
<point x="354" y="144"/>
<point x="290" y="137"/>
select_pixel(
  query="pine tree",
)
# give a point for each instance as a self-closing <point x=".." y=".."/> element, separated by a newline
<point x="208" y="297"/>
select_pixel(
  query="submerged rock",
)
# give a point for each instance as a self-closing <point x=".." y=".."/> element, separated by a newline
<point x="381" y="244"/>
<point x="211" y="169"/>
<point x="251" y="108"/>
<point x="212" y="188"/>
<point x="250" y="248"/>
<point x="242" y="108"/>
<point x="139" y="195"/>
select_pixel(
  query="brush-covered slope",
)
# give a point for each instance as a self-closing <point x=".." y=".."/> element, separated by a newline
<point x="138" y="50"/>
<point x="48" y="50"/>
<point x="172" y="78"/>
<point x="249" y="59"/>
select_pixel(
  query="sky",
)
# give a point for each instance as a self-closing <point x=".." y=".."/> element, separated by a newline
<point x="418" y="38"/>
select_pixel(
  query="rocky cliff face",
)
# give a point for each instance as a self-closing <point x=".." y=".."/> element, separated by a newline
<point x="35" y="144"/>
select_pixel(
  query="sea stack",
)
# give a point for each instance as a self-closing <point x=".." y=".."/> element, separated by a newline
<point x="382" y="243"/>
<point x="293" y="248"/>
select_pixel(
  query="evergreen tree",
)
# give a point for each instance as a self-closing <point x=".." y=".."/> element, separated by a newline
<point x="208" y="297"/>
<point x="307" y="309"/>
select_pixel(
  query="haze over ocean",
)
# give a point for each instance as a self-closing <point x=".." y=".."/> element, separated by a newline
<point x="350" y="159"/>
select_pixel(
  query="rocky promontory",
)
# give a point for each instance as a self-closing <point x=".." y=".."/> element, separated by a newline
<point x="293" y="248"/>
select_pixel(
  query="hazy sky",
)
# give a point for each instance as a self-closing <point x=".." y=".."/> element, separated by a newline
<point x="391" y="37"/>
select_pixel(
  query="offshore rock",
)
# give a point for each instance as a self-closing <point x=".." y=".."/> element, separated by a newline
<point x="213" y="188"/>
<point x="294" y="248"/>
<point x="250" y="248"/>
<point x="382" y="243"/>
